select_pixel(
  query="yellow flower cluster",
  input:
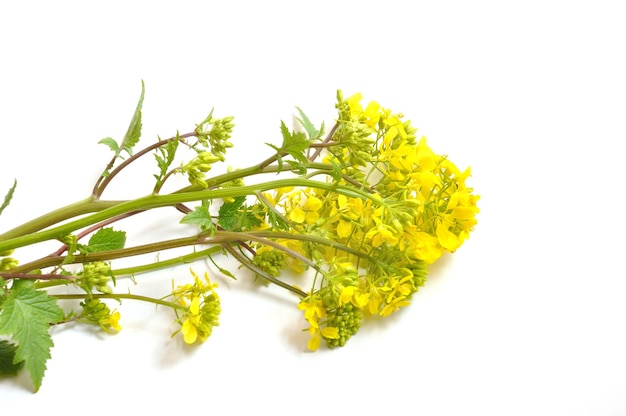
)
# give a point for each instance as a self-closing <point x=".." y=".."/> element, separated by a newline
<point x="199" y="309"/>
<point x="412" y="206"/>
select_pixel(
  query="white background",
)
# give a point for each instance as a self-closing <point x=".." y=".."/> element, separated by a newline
<point x="526" y="318"/>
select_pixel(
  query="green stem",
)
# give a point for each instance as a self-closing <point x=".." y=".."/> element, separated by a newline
<point x="109" y="254"/>
<point x="156" y="201"/>
<point x="118" y="296"/>
<point x="131" y="271"/>
<point x="86" y="206"/>
<point x="317" y="240"/>
<point x="104" y="181"/>
<point x="167" y="263"/>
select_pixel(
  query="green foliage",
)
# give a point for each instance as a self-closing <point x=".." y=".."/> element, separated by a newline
<point x="236" y="216"/>
<point x="7" y="357"/>
<point x="25" y="317"/>
<point x="8" y="197"/>
<point x="131" y="138"/>
<point x="109" y="141"/>
<point x="311" y="130"/>
<point x="200" y="216"/>
<point x="106" y="239"/>
<point x="165" y="157"/>
<point x="294" y="145"/>
<point x="103" y="240"/>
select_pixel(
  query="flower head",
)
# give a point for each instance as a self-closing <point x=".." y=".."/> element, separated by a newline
<point x="199" y="309"/>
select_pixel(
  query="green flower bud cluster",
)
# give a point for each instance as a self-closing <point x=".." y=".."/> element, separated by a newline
<point x="271" y="261"/>
<point x="96" y="312"/>
<point x="347" y="319"/>
<point x="215" y="133"/>
<point x="8" y="263"/>
<point x="197" y="167"/>
<point x="420" y="272"/>
<point x="96" y="275"/>
<point x="209" y="315"/>
<point x="356" y="137"/>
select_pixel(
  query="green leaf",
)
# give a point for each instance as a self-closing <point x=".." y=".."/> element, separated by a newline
<point x="7" y="357"/>
<point x="165" y="157"/>
<point x="112" y="144"/>
<point x="200" y="216"/>
<point x="236" y="216"/>
<point x="134" y="129"/>
<point x="25" y="317"/>
<point x="229" y="213"/>
<point x="106" y="239"/>
<point x="297" y="167"/>
<point x="304" y="121"/>
<point x="294" y="143"/>
<point x="8" y="197"/>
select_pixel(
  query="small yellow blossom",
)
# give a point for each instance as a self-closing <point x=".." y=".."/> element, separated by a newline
<point x="297" y="215"/>
<point x="382" y="233"/>
<point x="200" y="309"/>
<point x="314" y="310"/>
<point x="111" y="323"/>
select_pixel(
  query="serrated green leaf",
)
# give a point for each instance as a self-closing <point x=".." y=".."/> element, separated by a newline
<point x="311" y="130"/>
<point x="236" y="216"/>
<point x="229" y="213"/>
<point x="286" y="134"/>
<point x="106" y="239"/>
<point x="134" y="129"/>
<point x="294" y="143"/>
<point x="8" y="197"/>
<point x="21" y="284"/>
<point x="165" y="157"/>
<point x="200" y="216"/>
<point x="25" y="317"/>
<point x="109" y="141"/>
<point x="7" y="357"/>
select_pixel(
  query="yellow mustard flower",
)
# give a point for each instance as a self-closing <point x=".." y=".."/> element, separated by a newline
<point x="110" y="323"/>
<point x="382" y="233"/>
<point x="314" y="310"/>
<point x="201" y="309"/>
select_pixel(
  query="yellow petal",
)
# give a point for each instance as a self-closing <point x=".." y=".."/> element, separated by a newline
<point x="447" y="239"/>
<point x="330" y="332"/>
<point x="312" y="217"/>
<point x="342" y="201"/>
<point x="297" y="215"/>
<point x="189" y="331"/>
<point x="114" y="320"/>
<point x="360" y="300"/>
<point x="194" y="308"/>
<point x="312" y="203"/>
<point x="344" y="229"/>
<point x="346" y="294"/>
<point x="314" y="343"/>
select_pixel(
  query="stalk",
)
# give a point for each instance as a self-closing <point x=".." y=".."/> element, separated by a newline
<point x="157" y="201"/>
